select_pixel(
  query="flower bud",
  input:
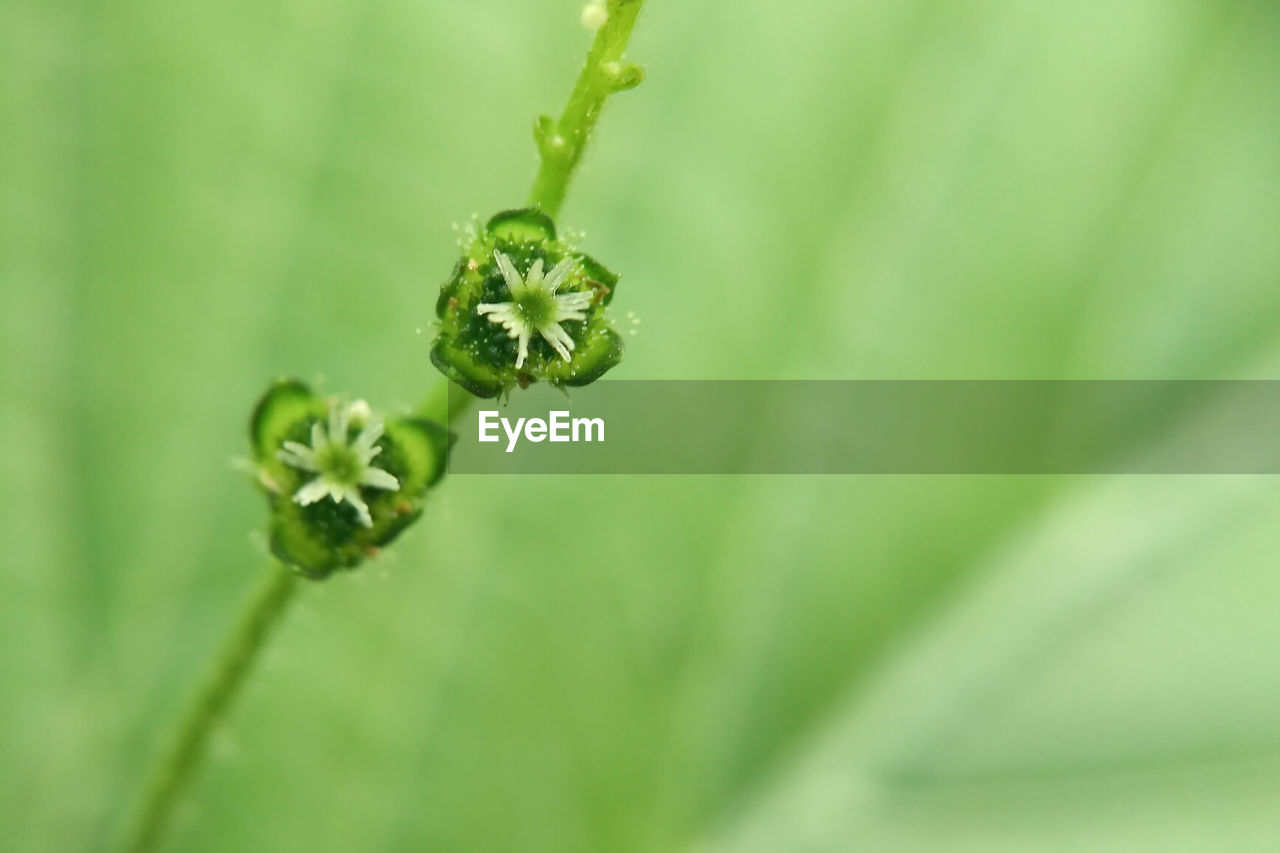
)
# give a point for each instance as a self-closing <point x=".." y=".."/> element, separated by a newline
<point x="594" y="15"/>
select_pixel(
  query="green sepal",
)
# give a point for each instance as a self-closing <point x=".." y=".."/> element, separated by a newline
<point x="294" y="542"/>
<point x="325" y="536"/>
<point x="600" y="352"/>
<point x="458" y="366"/>
<point x="450" y="289"/>
<point x="522" y="225"/>
<point x="598" y="273"/>
<point x="285" y="403"/>
<point x="427" y="445"/>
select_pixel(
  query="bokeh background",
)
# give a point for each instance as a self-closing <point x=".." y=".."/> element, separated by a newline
<point x="198" y="197"/>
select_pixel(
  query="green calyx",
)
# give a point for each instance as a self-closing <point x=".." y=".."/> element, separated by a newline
<point x="341" y="483"/>
<point x="523" y="306"/>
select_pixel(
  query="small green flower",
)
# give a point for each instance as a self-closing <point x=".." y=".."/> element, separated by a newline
<point x="524" y="306"/>
<point x="341" y="469"/>
<point x="331" y="506"/>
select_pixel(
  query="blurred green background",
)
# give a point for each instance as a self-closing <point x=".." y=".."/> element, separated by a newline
<point x="198" y="197"/>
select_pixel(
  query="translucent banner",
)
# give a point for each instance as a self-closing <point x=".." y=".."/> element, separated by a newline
<point x="876" y="427"/>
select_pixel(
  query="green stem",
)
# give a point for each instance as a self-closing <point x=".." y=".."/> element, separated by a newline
<point x="178" y="763"/>
<point x="446" y="403"/>
<point x="561" y="143"/>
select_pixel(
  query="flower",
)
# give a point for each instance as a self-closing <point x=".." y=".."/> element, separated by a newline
<point x="505" y="310"/>
<point x="371" y="506"/>
<point x="536" y="307"/>
<point x="342" y="467"/>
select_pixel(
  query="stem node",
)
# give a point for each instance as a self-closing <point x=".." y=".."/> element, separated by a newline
<point x="622" y="77"/>
<point x="561" y="143"/>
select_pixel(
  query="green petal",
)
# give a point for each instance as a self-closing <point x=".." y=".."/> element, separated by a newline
<point x="600" y="274"/>
<point x="458" y="366"/>
<point x="601" y="351"/>
<point x="387" y="533"/>
<point x="425" y="445"/>
<point x="449" y="290"/>
<point x="295" y="543"/>
<point x="281" y="408"/>
<point x="523" y="225"/>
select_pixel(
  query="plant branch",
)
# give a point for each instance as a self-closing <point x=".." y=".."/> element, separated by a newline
<point x="561" y="143"/>
<point x="177" y="765"/>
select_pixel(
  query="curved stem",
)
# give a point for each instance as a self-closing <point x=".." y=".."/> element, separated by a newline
<point x="175" y="767"/>
<point x="561" y="143"/>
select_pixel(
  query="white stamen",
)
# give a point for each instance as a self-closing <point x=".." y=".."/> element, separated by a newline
<point x="566" y="306"/>
<point x="340" y="485"/>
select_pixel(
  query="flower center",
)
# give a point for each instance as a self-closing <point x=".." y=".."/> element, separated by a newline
<point x="340" y="464"/>
<point x="535" y="306"/>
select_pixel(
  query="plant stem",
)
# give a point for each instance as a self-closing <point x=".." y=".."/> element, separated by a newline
<point x="178" y="763"/>
<point x="446" y="403"/>
<point x="561" y="143"/>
